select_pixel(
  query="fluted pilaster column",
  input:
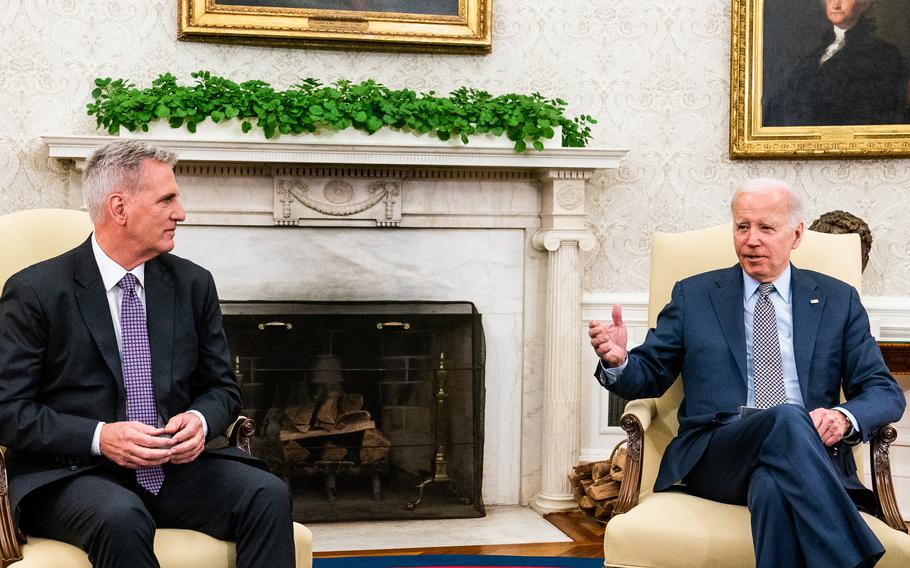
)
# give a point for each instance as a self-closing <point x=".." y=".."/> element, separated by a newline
<point x="563" y="235"/>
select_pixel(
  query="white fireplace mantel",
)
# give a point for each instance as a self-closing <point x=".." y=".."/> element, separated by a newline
<point x="501" y="229"/>
<point x="80" y="147"/>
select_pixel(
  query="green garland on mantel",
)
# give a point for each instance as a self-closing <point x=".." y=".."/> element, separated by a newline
<point x="311" y="106"/>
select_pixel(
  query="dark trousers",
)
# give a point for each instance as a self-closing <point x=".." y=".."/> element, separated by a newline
<point x="107" y="514"/>
<point x="775" y="462"/>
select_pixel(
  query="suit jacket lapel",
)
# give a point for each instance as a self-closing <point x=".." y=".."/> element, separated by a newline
<point x="727" y="298"/>
<point x="808" y="305"/>
<point x="159" y="308"/>
<point x="92" y="299"/>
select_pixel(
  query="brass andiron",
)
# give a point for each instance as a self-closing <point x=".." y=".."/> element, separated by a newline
<point x="440" y="435"/>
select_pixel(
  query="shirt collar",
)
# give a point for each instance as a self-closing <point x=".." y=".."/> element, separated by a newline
<point x="839" y="33"/>
<point x="781" y="285"/>
<point x="111" y="272"/>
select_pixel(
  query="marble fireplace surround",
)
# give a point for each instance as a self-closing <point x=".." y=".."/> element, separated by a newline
<point x="318" y="222"/>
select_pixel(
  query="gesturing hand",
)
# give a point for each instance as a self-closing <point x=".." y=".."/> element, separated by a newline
<point x="609" y="341"/>
<point x="134" y="444"/>
<point x="187" y="436"/>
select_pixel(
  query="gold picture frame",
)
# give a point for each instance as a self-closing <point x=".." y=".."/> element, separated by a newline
<point x="447" y="26"/>
<point x="763" y="73"/>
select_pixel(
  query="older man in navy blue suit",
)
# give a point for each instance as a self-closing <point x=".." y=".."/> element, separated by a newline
<point x="764" y="349"/>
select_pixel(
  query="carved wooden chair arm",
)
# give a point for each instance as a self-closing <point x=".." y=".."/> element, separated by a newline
<point x="239" y="433"/>
<point x="634" y="422"/>
<point x="882" y="485"/>
<point x="10" y="550"/>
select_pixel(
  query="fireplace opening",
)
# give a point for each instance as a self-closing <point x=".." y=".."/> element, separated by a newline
<point x="367" y="410"/>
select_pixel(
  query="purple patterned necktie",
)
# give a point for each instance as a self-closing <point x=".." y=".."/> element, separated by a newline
<point x="769" y="373"/>
<point x="137" y="374"/>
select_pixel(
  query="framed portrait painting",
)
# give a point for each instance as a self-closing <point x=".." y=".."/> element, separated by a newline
<point x="462" y="26"/>
<point x="820" y="78"/>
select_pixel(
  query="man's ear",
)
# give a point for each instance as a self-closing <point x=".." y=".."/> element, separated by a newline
<point x="116" y="208"/>
<point x="799" y="235"/>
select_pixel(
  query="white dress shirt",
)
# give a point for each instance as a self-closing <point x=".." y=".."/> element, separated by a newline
<point x="111" y="275"/>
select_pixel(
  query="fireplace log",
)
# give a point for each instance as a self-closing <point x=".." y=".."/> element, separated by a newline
<point x="302" y="416"/>
<point x="586" y="502"/>
<point x="288" y="435"/>
<point x="327" y="412"/>
<point x="603" y="489"/>
<point x="351" y="418"/>
<point x="596" y="485"/>
<point x="617" y="466"/>
<point x="350" y="403"/>
<point x="333" y="453"/>
<point x="294" y="453"/>
<point x="375" y="446"/>
<point x="600" y="469"/>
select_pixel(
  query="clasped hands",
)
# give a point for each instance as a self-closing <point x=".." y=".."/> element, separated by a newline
<point x="609" y="342"/>
<point x="134" y="444"/>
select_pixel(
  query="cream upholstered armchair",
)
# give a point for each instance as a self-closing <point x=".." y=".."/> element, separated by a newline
<point x="674" y="529"/>
<point x="28" y="237"/>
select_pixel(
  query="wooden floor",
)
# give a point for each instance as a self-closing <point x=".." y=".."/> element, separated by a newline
<point x="586" y="534"/>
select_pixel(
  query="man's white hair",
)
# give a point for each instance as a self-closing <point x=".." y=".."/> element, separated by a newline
<point x="766" y="185"/>
<point x="117" y="166"/>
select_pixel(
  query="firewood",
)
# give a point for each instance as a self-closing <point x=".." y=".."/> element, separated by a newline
<point x="294" y="453"/>
<point x="375" y="446"/>
<point x="587" y="503"/>
<point x="288" y="435"/>
<point x="327" y="412"/>
<point x="619" y="464"/>
<point x="350" y="403"/>
<point x="603" y="491"/>
<point x="596" y="485"/>
<point x="584" y="469"/>
<point x="350" y="418"/>
<point x="333" y="453"/>
<point x="302" y="416"/>
<point x="600" y="469"/>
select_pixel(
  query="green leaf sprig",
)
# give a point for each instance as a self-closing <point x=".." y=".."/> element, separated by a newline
<point x="311" y="106"/>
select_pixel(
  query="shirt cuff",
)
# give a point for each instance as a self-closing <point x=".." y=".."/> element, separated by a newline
<point x="205" y="425"/>
<point x="96" y="440"/>
<point x="609" y="375"/>
<point x="853" y="433"/>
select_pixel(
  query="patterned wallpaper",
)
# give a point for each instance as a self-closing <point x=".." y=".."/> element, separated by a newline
<point x="656" y="74"/>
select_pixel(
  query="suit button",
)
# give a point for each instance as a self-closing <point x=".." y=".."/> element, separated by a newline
<point x="834" y="452"/>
